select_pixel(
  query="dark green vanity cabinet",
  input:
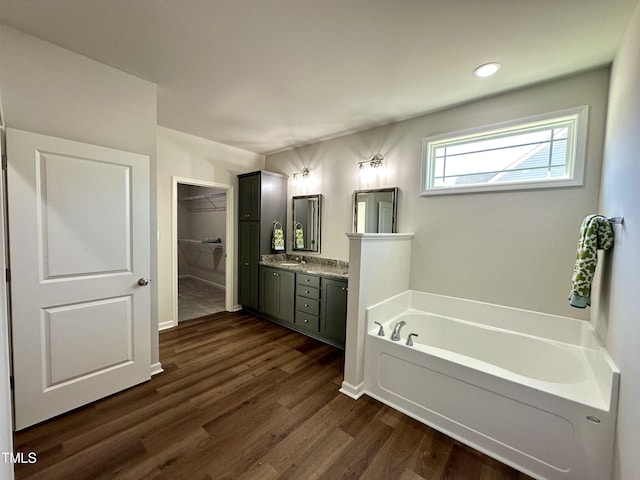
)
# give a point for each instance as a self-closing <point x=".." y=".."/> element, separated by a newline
<point x="277" y="293"/>
<point x="311" y="303"/>
<point x="334" y="310"/>
<point x="262" y="200"/>
<point x="248" y="258"/>
<point x="308" y="302"/>
<point x="321" y="307"/>
<point x="249" y="196"/>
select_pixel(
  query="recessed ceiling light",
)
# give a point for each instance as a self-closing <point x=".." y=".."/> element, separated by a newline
<point x="487" y="69"/>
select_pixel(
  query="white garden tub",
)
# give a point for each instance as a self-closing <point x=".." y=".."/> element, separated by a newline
<point x="533" y="390"/>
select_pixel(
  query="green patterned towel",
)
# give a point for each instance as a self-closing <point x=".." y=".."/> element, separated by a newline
<point x="595" y="234"/>
<point x="278" y="237"/>
<point x="299" y="237"/>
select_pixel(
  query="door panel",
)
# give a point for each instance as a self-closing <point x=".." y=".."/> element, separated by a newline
<point x="102" y="332"/>
<point x="79" y="241"/>
<point x="67" y="251"/>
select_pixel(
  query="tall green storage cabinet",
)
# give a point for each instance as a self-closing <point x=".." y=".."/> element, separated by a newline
<point x="262" y="201"/>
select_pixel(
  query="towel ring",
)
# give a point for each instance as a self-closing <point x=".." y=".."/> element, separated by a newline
<point x="298" y="225"/>
<point x="275" y="225"/>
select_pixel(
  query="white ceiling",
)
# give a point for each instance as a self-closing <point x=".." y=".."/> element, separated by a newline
<point x="266" y="75"/>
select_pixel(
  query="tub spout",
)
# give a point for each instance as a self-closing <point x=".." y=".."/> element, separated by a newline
<point x="381" y="330"/>
<point x="395" y="336"/>
<point x="410" y="339"/>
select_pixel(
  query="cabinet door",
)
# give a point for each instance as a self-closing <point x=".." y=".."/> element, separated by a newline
<point x="269" y="291"/>
<point x="334" y="309"/>
<point x="249" y="198"/>
<point x="287" y="296"/>
<point x="248" y="257"/>
<point x="277" y="293"/>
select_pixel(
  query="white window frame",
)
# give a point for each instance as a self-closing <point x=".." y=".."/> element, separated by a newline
<point x="575" y="165"/>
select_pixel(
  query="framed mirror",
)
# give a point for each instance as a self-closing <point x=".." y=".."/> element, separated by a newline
<point x="306" y="223"/>
<point x="375" y="211"/>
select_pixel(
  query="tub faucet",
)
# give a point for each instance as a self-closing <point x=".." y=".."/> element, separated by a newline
<point x="395" y="336"/>
<point x="380" y="330"/>
<point x="410" y="339"/>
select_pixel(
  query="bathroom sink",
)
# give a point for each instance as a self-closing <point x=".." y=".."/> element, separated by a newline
<point x="290" y="264"/>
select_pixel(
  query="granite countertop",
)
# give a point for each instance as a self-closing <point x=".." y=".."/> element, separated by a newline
<point x="312" y="265"/>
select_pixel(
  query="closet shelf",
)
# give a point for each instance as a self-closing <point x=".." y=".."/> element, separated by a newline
<point x="210" y="202"/>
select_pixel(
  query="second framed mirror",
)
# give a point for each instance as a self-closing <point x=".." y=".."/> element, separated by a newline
<point x="306" y="223"/>
<point x="374" y="211"/>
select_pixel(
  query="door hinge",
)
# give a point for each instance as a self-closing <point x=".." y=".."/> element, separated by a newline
<point x="7" y="275"/>
<point x="11" y="382"/>
<point x="4" y="161"/>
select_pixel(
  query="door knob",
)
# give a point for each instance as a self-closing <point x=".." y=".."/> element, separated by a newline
<point x="143" y="282"/>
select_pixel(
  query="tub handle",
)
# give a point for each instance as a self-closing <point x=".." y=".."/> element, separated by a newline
<point x="410" y="339"/>
<point x="381" y="330"/>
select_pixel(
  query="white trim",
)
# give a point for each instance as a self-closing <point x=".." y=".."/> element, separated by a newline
<point x="229" y="243"/>
<point x="166" y="325"/>
<point x="354" y="392"/>
<point x="156" y="368"/>
<point x="380" y="236"/>
<point x="577" y="160"/>
<point x="6" y="397"/>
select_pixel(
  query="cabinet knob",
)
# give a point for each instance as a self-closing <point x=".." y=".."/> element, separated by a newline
<point x="306" y="320"/>
<point x="247" y="215"/>
<point x="306" y="305"/>
<point x="306" y="291"/>
<point x="246" y="264"/>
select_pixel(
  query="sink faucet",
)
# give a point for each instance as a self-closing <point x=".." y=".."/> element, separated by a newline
<point x="395" y="336"/>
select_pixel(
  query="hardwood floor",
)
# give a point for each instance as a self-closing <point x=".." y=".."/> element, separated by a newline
<point x="242" y="398"/>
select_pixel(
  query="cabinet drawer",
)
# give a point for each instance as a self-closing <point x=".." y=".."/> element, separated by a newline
<point x="308" y="292"/>
<point x="307" y="305"/>
<point x="308" y="322"/>
<point x="308" y="280"/>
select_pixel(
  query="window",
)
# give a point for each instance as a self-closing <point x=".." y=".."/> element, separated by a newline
<point x="536" y="152"/>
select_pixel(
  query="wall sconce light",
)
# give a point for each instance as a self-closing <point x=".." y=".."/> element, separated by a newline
<point x="304" y="175"/>
<point x="372" y="166"/>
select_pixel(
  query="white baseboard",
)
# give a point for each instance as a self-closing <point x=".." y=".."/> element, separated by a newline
<point x="236" y="308"/>
<point x="156" y="368"/>
<point x="354" y="392"/>
<point x="166" y="325"/>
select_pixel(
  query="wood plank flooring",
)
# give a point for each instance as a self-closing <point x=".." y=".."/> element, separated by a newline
<point x="243" y="398"/>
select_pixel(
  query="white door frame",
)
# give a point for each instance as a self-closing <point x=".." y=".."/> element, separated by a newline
<point x="229" y="245"/>
<point x="6" y="397"/>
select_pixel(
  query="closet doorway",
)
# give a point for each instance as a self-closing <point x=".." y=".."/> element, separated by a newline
<point x="203" y="276"/>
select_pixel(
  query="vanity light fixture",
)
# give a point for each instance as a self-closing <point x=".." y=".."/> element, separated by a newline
<point x="374" y="163"/>
<point x="486" y="70"/>
<point x="304" y="174"/>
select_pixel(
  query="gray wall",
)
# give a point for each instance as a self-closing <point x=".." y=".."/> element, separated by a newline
<point x="195" y="159"/>
<point x="512" y="248"/>
<point x="617" y="314"/>
<point x="47" y="89"/>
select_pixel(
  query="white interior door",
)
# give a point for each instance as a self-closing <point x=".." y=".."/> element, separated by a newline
<point x="79" y="243"/>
